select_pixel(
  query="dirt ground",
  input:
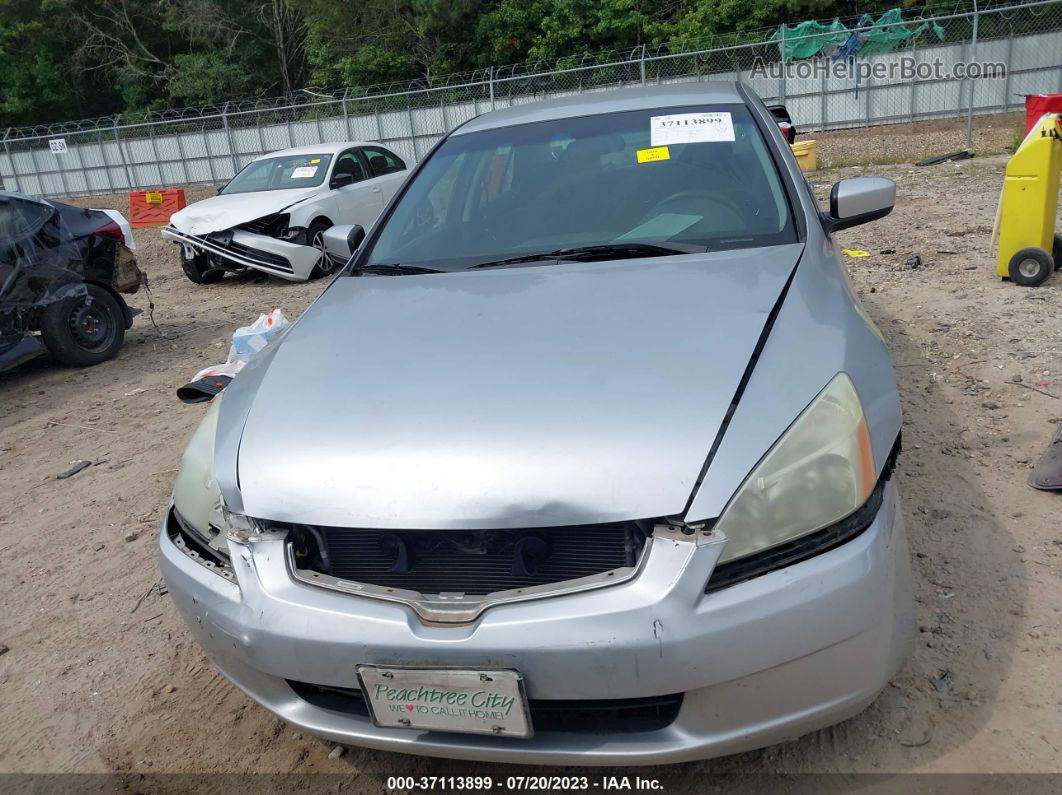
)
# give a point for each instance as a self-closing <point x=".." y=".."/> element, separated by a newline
<point x="98" y="673"/>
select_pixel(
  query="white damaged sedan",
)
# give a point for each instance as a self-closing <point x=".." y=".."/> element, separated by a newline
<point x="270" y="216"/>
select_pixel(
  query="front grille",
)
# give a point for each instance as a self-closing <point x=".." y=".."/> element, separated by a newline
<point x="465" y="561"/>
<point x="577" y="716"/>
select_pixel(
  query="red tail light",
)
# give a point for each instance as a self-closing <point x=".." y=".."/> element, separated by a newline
<point x="111" y="230"/>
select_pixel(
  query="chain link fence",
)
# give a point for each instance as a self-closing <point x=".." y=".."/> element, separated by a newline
<point x="913" y="100"/>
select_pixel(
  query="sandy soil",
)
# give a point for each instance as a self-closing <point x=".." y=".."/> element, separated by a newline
<point x="99" y="674"/>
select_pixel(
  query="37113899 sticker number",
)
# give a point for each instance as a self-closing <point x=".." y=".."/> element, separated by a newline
<point x="691" y="128"/>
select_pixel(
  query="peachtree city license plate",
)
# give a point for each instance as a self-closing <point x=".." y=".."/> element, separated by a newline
<point x="477" y="701"/>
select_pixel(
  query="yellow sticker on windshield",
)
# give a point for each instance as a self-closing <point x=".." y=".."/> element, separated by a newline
<point x="318" y="160"/>
<point x="651" y="155"/>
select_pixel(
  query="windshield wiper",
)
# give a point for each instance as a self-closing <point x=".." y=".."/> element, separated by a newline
<point x="601" y="251"/>
<point x="395" y="268"/>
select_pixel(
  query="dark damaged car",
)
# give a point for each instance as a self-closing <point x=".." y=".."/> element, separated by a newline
<point x="63" y="271"/>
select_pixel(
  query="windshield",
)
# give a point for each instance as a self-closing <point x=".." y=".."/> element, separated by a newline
<point x="280" y="173"/>
<point x="693" y="176"/>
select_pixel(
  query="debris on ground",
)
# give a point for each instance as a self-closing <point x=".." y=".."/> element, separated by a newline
<point x="337" y="752"/>
<point x="73" y="469"/>
<point x="962" y="154"/>
<point x="942" y="682"/>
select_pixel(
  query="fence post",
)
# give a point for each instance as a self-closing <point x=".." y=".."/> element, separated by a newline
<point x="641" y="64"/>
<point x="228" y="137"/>
<point x="490" y="80"/>
<point x="178" y="136"/>
<point x="412" y="127"/>
<point x="781" y="88"/>
<point x="210" y="155"/>
<point x="10" y="160"/>
<point x="346" y="117"/>
<point x="103" y="156"/>
<point x="158" y="158"/>
<point x="121" y="153"/>
<point x="970" y="99"/>
<point x="1006" y="81"/>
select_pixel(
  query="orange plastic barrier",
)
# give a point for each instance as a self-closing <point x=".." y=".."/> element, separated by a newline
<point x="154" y="207"/>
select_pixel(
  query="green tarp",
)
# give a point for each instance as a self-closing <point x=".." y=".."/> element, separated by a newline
<point x="809" y="39"/>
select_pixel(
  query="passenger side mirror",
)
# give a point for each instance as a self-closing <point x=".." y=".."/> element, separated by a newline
<point x="340" y="242"/>
<point x="859" y="200"/>
<point x="341" y="181"/>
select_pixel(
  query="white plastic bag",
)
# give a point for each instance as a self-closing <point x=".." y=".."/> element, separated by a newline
<point x="249" y="340"/>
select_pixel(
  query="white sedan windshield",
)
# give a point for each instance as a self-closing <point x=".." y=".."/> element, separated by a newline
<point x="280" y="173"/>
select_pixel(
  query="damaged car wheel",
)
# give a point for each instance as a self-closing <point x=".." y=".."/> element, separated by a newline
<point x="82" y="330"/>
<point x="198" y="267"/>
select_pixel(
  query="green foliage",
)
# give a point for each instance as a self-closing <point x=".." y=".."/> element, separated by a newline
<point x="67" y="59"/>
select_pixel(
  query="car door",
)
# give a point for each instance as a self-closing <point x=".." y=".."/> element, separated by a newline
<point x="387" y="171"/>
<point x="353" y="198"/>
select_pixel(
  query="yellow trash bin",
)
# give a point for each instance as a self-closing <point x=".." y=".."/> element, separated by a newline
<point x="1025" y="221"/>
<point x="804" y="151"/>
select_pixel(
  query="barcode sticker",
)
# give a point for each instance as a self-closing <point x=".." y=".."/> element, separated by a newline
<point x="691" y="128"/>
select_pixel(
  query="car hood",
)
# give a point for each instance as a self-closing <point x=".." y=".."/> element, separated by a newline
<point x="226" y="211"/>
<point x="528" y="397"/>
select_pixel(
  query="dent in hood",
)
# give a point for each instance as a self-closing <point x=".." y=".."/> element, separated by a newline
<point x="226" y="211"/>
<point x="544" y="396"/>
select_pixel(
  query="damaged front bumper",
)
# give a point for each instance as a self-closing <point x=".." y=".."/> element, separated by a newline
<point x="752" y="664"/>
<point x="241" y="248"/>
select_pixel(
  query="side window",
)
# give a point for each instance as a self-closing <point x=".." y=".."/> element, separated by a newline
<point x="382" y="162"/>
<point x="350" y="163"/>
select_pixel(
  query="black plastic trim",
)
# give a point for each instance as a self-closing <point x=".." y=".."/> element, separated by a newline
<point x="575" y="716"/>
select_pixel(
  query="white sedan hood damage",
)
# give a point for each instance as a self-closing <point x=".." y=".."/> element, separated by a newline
<point x="228" y="210"/>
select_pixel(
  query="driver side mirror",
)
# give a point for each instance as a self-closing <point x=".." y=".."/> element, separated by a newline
<point x="340" y="242"/>
<point x="341" y="181"/>
<point x="859" y="200"/>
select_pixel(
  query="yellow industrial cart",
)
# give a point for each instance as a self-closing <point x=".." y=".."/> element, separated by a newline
<point x="1029" y="249"/>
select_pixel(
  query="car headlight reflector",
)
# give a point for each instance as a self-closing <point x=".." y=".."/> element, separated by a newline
<point x="817" y="473"/>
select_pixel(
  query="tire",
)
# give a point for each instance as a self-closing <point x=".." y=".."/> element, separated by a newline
<point x="1056" y="251"/>
<point x="1030" y="267"/>
<point x="83" y="330"/>
<point x="198" y="268"/>
<point x="325" y="266"/>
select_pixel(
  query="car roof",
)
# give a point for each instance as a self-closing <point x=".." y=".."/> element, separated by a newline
<point x="4" y="194"/>
<point x="611" y="100"/>
<point x="319" y="149"/>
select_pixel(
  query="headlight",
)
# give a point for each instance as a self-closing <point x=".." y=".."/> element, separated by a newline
<point x="817" y="473"/>
<point x="196" y="495"/>
<point x="196" y="492"/>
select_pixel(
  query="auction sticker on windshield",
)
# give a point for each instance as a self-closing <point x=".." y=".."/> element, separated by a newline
<point x="691" y="128"/>
<point x="476" y="701"/>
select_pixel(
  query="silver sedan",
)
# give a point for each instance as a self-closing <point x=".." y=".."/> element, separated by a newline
<point x="584" y="457"/>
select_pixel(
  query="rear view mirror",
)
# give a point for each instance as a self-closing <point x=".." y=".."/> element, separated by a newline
<point x="340" y="242"/>
<point x="859" y="200"/>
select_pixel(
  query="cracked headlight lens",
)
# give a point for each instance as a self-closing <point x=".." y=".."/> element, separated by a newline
<point x="817" y="473"/>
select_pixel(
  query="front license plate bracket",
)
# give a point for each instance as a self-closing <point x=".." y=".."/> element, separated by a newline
<point x="463" y="700"/>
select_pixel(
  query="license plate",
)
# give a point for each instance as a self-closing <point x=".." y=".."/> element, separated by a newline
<point x="472" y="701"/>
